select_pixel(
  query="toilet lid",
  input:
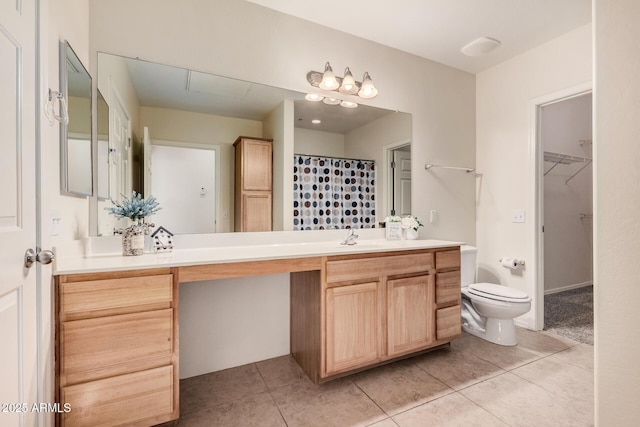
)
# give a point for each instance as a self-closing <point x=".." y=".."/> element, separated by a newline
<point x="497" y="292"/>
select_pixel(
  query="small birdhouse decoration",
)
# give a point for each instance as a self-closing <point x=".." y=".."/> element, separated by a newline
<point x="162" y="240"/>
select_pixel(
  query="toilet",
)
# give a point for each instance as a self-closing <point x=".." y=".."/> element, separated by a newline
<point x="488" y="310"/>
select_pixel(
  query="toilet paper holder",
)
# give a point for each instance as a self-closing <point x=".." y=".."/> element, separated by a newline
<point x="511" y="262"/>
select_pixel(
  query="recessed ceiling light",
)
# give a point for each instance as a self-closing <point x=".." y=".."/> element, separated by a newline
<point x="480" y="46"/>
<point x="316" y="121"/>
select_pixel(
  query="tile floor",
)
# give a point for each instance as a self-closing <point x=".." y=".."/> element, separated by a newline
<point x="547" y="380"/>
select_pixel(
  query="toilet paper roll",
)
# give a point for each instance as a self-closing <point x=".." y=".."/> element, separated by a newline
<point x="510" y="263"/>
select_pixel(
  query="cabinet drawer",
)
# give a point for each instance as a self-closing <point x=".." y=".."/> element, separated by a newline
<point x="126" y="399"/>
<point x="448" y="259"/>
<point x="114" y="296"/>
<point x="448" y="322"/>
<point x="448" y="288"/>
<point x="113" y="345"/>
<point x="374" y="267"/>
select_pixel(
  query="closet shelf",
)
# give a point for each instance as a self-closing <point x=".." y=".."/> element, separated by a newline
<point x="564" y="159"/>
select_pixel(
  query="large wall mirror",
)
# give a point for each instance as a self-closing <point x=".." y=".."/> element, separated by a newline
<point x="75" y="132"/>
<point x="171" y="133"/>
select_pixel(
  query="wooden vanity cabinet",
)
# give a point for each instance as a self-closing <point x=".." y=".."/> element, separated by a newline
<point x="117" y="348"/>
<point x="367" y="309"/>
<point x="253" y="184"/>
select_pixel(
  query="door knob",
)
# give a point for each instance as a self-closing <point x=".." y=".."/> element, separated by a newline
<point x="43" y="257"/>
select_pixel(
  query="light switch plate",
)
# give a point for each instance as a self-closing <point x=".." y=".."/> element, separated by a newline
<point x="518" y="216"/>
<point x="54" y="222"/>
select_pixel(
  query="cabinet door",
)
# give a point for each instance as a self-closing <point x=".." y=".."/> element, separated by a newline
<point x="353" y="326"/>
<point x="256" y="215"/>
<point x="256" y="165"/>
<point x="410" y="314"/>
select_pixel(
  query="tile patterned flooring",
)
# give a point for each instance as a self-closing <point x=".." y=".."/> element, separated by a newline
<point x="547" y="380"/>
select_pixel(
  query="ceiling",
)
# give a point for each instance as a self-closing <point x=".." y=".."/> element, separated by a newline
<point x="437" y="29"/>
<point x="164" y="86"/>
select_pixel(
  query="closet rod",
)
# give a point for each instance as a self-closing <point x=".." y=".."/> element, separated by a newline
<point x="467" y="170"/>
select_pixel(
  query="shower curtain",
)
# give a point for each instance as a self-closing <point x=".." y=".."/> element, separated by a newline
<point x="333" y="193"/>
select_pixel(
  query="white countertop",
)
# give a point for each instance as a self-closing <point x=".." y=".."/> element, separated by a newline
<point x="68" y="264"/>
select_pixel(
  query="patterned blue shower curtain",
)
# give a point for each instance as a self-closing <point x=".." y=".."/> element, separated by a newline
<point x="333" y="193"/>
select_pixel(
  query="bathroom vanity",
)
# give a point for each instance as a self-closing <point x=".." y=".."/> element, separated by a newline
<point x="352" y="307"/>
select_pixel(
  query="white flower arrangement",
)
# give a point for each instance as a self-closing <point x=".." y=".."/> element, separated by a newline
<point x="411" y="221"/>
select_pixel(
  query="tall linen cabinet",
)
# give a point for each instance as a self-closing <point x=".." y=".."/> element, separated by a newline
<point x="253" y="184"/>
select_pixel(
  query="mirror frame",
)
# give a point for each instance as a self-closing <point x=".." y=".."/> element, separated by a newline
<point x="65" y="184"/>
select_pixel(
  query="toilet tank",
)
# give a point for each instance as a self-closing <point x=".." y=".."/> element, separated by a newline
<point x="467" y="265"/>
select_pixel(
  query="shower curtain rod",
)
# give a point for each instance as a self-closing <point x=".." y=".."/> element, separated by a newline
<point x="334" y="157"/>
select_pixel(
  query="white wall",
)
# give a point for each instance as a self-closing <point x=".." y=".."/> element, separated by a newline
<point x="62" y="20"/>
<point x="274" y="49"/>
<point x="568" y="237"/>
<point x="238" y="313"/>
<point x="279" y="127"/>
<point x="369" y="141"/>
<point x="617" y="199"/>
<point x="505" y="94"/>
<point x="207" y="129"/>
<point x="318" y="143"/>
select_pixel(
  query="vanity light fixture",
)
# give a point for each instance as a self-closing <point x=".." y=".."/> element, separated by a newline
<point x="346" y="85"/>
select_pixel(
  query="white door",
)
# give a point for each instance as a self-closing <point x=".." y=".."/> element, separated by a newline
<point x="402" y="182"/>
<point x="120" y="144"/>
<point x="183" y="181"/>
<point x="18" y="357"/>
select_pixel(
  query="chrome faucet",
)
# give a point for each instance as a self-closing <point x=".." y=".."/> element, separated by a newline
<point x="350" y="239"/>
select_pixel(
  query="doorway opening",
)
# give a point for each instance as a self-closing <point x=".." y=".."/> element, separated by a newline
<point x="398" y="172"/>
<point x="565" y="205"/>
<point x="184" y="178"/>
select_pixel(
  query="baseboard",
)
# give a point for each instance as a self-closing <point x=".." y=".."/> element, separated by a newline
<point x="568" y="287"/>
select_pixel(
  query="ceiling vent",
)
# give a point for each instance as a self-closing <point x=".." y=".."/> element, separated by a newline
<point x="481" y="46"/>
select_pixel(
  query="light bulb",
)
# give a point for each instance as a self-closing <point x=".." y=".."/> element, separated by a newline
<point x="329" y="81"/>
<point x="348" y="83"/>
<point x="367" y="90"/>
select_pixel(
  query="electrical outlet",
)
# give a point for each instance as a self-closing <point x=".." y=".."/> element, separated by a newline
<point x="518" y="216"/>
<point x="433" y="216"/>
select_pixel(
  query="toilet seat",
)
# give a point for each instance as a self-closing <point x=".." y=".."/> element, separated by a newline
<point x="498" y="293"/>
